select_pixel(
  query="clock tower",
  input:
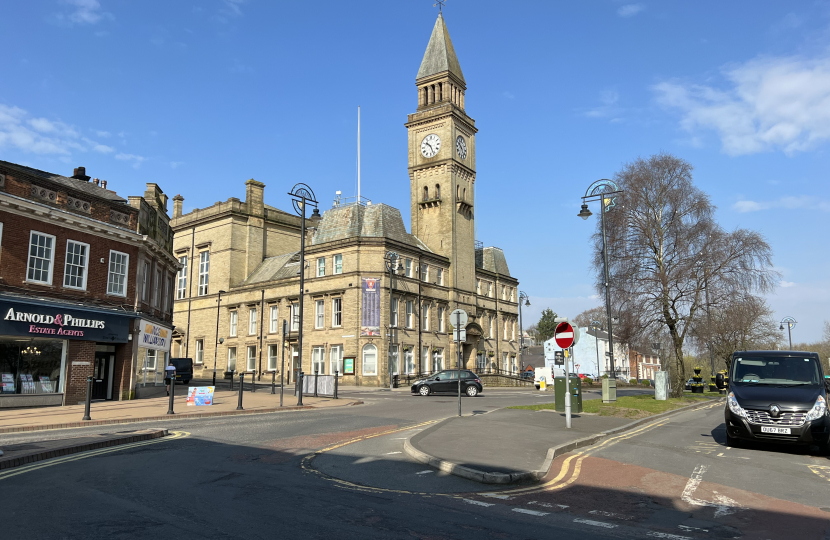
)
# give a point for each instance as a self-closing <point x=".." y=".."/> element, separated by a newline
<point x="442" y="161"/>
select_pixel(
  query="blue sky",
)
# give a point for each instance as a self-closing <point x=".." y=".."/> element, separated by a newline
<point x="200" y="96"/>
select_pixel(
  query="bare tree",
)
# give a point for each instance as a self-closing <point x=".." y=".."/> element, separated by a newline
<point x="665" y="249"/>
<point x="585" y="318"/>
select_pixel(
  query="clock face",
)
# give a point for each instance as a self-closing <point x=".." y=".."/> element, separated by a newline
<point x="461" y="147"/>
<point x="430" y="145"/>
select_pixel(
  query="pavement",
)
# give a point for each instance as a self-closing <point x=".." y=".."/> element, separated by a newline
<point x="139" y="410"/>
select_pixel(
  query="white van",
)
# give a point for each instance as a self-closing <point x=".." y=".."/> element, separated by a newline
<point x="548" y="374"/>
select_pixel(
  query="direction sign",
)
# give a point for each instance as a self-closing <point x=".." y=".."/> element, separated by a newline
<point x="564" y="335"/>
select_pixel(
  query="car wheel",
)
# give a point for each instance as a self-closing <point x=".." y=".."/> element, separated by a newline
<point x="424" y="390"/>
<point x="472" y="391"/>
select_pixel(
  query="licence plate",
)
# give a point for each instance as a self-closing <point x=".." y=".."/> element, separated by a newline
<point x="778" y="430"/>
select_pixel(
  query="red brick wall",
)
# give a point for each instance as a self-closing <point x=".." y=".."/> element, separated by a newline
<point x="121" y="373"/>
<point x="75" y="387"/>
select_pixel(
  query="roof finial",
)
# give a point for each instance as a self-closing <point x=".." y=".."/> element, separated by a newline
<point x="440" y="4"/>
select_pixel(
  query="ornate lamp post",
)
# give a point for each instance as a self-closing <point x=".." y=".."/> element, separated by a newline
<point x="302" y="196"/>
<point x="216" y="341"/>
<point x="522" y="297"/>
<point x="790" y="322"/>
<point x="393" y="266"/>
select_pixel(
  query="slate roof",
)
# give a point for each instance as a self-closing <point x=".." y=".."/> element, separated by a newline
<point x="371" y="221"/>
<point x="282" y="266"/>
<point x="71" y="183"/>
<point x="492" y="259"/>
<point x="440" y="54"/>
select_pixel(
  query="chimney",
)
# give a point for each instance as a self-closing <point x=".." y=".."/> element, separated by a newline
<point x="80" y="174"/>
<point x="254" y="197"/>
<point x="178" y="202"/>
<point x="104" y="184"/>
<point x="95" y="181"/>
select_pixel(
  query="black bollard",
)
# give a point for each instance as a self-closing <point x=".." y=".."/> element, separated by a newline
<point x="253" y="381"/>
<point x="241" y="385"/>
<point x="232" y="374"/>
<point x="273" y="382"/>
<point x="300" y="389"/>
<point x="88" y="398"/>
<point x="335" y="383"/>
<point x="172" y="391"/>
<point x="315" y="382"/>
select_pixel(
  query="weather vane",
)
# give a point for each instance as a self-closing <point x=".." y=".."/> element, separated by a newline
<point x="439" y="4"/>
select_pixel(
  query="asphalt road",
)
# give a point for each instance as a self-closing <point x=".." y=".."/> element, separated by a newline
<point x="254" y="476"/>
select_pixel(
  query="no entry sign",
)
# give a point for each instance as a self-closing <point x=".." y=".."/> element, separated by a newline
<point x="564" y="335"/>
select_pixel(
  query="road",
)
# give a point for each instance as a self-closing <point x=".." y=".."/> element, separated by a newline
<point x="342" y="474"/>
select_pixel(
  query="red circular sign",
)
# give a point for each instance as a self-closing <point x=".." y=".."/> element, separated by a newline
<point x="564" y="335"/>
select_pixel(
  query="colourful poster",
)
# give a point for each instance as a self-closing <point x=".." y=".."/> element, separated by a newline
<point x="200" y="395"/>
<point x="370" y="308"/>
<point x="348" y="366"/>
<point x="45" y="384"/>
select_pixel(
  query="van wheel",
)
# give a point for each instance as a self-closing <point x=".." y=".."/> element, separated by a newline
<point x="472" y="391"/>
<point x="734" y="442"/>
<point x="424" y="390"/>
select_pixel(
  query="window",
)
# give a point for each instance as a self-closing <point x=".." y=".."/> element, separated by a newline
<point x="513" y="364"/>
<point x="441" y="312"/>
<point x="437" y="359"/>
<point x="393" y="359"/>
<point x="231" y="358"/>
<point x="437" y="191"/>
<point x="410" y="314"/>
<point x="295" y="317"/>
<point x="503" y="293"/>
<point x="145" y="283"/>
<point x="426" y="193"/>
<point x="407" y="264"/>
<point x="425" y="272"/>
<point x="490" y="289"/>
<point x="458" y="193"/>
<point x="491" y="326"/>
<point x="274" y="320"/>
<point x="319" y="314"/>
<point x="513" y="330"/>
<point x="151" y="360"/>
<point x="409" y="360"/>
<point x="317" y="363"/>
<point x="336" y="312"/>
<point x="504" y="364"/>
<point x="204" y="273"/>
<point x="117" y="280"/>
<point x="41" y="257"/>
<point x="425" y="357"/>
<point x="338" y="264"/>
<point x="181" y="281"/>
<point x="168" y="285"/>
<point x="251" y="357"/>
<point x="157" y="286"/>
<point x="425" y="313"/>
<point x="234" y="316"/>
<point x="504" y="326"/>
<point x="394" y="315"/>
<point x="336" y="359"/>
<point x="273" y="357"/>
<point x="77" y="262"/>
<point x="511" y="293"/>
<point x="370" y="360"/>
<point x="440" y="276"/>
<point x="478" y="286"/>
<point x="251" y="321"/>
<point x="200" y="351"/>
<point x="321" y="266"/>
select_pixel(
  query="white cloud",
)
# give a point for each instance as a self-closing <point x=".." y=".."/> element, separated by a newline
<point x="629" y="10"/>
<point x="787" y="284"/>
<point x="103" y="134"/>
<point x="769" y="103"/>
<point x="83" y="12"/>
<point x="136" y="160"/>
<point x="176" y="164"/>
<point x="787" y="203"/>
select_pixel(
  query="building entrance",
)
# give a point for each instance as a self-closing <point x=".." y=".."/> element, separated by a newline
<point x="102" y="375"/>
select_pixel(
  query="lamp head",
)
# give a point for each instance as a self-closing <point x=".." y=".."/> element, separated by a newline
<point x="221" y="340"/>
<point x="781" y="327"/>
<point x="584" y="213"/>
<point x="527" y="302"/>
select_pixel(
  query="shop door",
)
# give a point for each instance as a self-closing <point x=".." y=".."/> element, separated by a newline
<point x="102" y="375"/>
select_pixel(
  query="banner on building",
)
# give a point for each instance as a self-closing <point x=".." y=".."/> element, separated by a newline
<point x="199" y="396"/>
<point x="154" y="336"/>
<point x="370" y="308"/>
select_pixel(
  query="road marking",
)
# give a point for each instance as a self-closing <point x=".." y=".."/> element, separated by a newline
<point x="821" y="470"/>
<point x="610" y="514"/>
<point x="497" y="496"/>
<point x="687" y="528"/>
<point x="667" y="536"/>
<point x="390" y="453"/>
<point x="531" y="512"/>
<point x="425" y="472"/>
<point x="723" y="505"/>
<point x="477" y="503"/>
<point x="720" y="455"/>
<point x="90" y="453"/>
<point x="595" y="523"/>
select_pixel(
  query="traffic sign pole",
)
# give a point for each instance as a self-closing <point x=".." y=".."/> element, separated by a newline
<point x="567" y="389"/>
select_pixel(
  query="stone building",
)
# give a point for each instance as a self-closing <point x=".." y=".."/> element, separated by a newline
<point x="241" y="263"/>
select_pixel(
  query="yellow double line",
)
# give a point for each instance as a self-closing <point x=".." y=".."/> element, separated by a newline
<point x="91" y="453"/>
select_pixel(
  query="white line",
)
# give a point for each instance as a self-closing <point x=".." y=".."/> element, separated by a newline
<point x="531" y="512"/>
<point x="390" y="453"/>
<point x="497" y="496"/>
<point x="687" y="528"/>
<point x="424" y="472"/>
<point x="667" y="536"/>
<point x="723" y="505"/>
<point x="478" y="503"/>
<point x="609" y="514"/>
<point x="595" y="523"/>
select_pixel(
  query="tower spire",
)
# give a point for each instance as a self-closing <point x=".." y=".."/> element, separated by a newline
<point x="440" y="54"/>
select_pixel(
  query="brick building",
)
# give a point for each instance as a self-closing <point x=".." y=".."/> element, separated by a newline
<point x="84" y="275"/>
<point x="241" y="266"/>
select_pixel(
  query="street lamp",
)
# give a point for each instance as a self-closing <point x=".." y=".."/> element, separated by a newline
<point x="393" y="265"/>
<point x="605" y="191"/>
<point x="596" y="326"/>
<point x="526" y="298"/>
<point x="790" y="322"/>
<point x="301" y="195"/>
<point x="216" y="341"/>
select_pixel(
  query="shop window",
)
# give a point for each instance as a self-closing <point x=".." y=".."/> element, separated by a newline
<point x="338" y="264"/>
<point x="251" y="357"/>
<point x="77" y="263"/>
<point x="31" y="366"/>
<point x="337" y="312"/>
<point x="370" y="360"/>
<point x="117" y="279"/>
<point x="151" y="360"/>
<point x="204" y="273"/>
<point x="200" y="351"/>
<point x="41" y="258"/>
<point x="181" y="279"/>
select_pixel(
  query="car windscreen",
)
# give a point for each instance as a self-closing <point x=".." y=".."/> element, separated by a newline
<point x="776" y="370"/>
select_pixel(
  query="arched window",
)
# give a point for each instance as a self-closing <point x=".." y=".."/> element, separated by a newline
<point x="437" y="191"/>
<point x="370" y="360"/>
<point x="458" y="192"/>
<point x="426" y="193"/>
<point x="465" y="195"/>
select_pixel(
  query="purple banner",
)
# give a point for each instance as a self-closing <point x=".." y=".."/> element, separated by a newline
<point x="370" y="308"/>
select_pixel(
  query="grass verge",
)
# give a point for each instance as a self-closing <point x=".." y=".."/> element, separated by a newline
<point x="634" y="407"/>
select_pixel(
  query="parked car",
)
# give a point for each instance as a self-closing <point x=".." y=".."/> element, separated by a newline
<point x="528" y="375"/>
<point x="447" y="381"/>
<point x="184" y="369"/>
<point x="689" y="384"/>
<point x="777" y="396"/>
